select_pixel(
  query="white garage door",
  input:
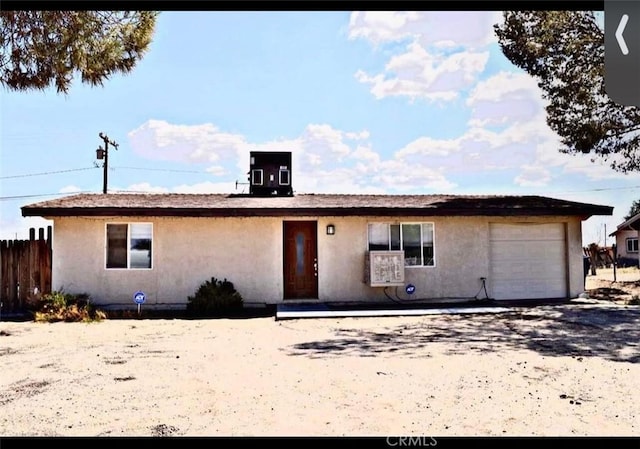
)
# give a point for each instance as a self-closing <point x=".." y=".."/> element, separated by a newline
<point x="527" y="261"/>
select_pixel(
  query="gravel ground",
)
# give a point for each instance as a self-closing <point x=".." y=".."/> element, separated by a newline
<point x="564" y="370"/>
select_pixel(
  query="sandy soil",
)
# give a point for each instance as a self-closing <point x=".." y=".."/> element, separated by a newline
<point x="561" y="370"/>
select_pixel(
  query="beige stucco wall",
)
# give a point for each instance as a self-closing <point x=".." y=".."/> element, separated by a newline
<point x="621" y="244"/>
<point x="248" y="252"/>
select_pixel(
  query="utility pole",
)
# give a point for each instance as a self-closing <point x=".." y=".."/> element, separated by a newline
<point x="103" y="153"/>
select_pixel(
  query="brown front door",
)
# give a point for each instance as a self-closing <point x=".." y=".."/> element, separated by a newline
<point x="300" y="259"/>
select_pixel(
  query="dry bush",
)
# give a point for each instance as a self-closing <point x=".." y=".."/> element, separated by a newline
<point x="60" y="306"/>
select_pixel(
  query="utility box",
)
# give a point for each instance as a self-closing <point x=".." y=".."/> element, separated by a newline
<point x="384" y="268"/>
<point x="270" y="173"/>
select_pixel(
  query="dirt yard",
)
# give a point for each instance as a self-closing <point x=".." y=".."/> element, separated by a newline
<point x="564" y="370"/>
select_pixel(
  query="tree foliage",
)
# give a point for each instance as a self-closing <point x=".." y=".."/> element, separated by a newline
<point x="633" y="210"/>
<point x="43" y="48"/>
<point x="564" y="51"/>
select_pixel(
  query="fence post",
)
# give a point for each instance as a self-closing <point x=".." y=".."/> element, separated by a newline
<point x="4" y="271"/>
<point x="45" y="262"/>
<point x="13" y="274"/>
<point x="593" y="254"/>
<point x="34" y="269"/>
<point x="25" y="272"/>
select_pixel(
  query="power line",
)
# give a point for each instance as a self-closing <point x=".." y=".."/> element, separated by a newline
<point x="2" y="198"/>
<point x="596" y="190"/>
<point x="47" y="173"/>
<point x="26" y="175"/>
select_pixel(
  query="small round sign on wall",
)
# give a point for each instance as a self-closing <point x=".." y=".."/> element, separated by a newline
<point x="410" y="289"/>
<point x="139" y="297"/>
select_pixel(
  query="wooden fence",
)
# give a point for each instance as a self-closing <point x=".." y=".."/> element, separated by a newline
<point x="25" y="270"/>
<point x="600" y="257"/>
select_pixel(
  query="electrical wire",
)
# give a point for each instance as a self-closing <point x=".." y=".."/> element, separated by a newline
<point x="47" y="173"/>
<point x="2" y="198"/>
<point x="483" y="287"/>
<point x="390" y="297"/>
<point x="399" y="300"/>
<point x="26" y="175"/>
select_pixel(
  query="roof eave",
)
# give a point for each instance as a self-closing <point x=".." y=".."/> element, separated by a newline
<point x="583" y="213"/>
<point x="632" y="224"/>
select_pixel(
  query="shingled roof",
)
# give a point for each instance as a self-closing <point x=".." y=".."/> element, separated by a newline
<point x="234" y="205"/>
<point x="632" y="224"/>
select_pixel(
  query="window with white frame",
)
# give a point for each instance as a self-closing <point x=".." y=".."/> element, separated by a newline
<point x="256" y="176"/>
<point x="284" y="177"/>
<point x="129" y="245"/>
<point x="632" y="245"/>
<point x="415" y="239"/>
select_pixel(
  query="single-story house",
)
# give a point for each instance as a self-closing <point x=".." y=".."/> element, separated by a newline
<point x="626" y="236"/>
<point x="317" y="247"/>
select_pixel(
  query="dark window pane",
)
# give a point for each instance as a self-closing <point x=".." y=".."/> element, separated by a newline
<point x="140" y="256"/>
<point x="411" y="244"/>
<point x="116" y="246"/>
<point x="256" y="177"/>
<point x="300" y="253"/>
<point x="427" y="244"/>
<point x="395" y="237"/>
<point x="284" y="177"/>
<point x="427" y="252"/>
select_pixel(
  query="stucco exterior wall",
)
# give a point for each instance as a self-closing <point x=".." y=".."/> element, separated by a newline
<point x="249" y="253"/>
<point x="621" y="245"/>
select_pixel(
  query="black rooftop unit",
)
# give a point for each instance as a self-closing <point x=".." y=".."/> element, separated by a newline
<point x="270" y="173"/>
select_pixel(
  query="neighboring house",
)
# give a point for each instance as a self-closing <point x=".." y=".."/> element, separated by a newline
<point x="316" y="247"/>
<point x="627" y="241"/>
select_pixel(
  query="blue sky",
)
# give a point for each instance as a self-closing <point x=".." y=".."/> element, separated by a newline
<point x="377" y="102"/>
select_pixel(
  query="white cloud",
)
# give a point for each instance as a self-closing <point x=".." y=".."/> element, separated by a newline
<point x="144" y="187"/>
<point x="160" y="140"/>
<point x="202" y="187"/>
<point x="429" y="147"/>
<point x="593" y="169"/>
<point x="420" y="74"/>
<point x="205" y="187"/>
<point x="446" y="51"/>
<point x="323" y="141"/>
<point x="216" y="170"/>
<point x="503" y="86"/>
<point x="70" y="189"/>
<point x="362" y="135"/>
<point x="431" y="28"/>
<point x="364" y="154"/>
<point x="533" y="176"/>
<point x="382" y="26"/>
<point x="412" y="179"/>
<point x="506" y="97"/>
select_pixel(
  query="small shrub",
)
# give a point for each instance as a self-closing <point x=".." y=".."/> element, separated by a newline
<point x="215" y="298"/>
<point x="634" y="301"/>
<point x="60" y="306"/>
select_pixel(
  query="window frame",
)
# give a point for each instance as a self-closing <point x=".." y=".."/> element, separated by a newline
<point x="634" y="244"/>
<point x="128" y="247"/>
<point x="253" y="174"/>
<point x="401" y="237"/>
<point x="280" y="177"/>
